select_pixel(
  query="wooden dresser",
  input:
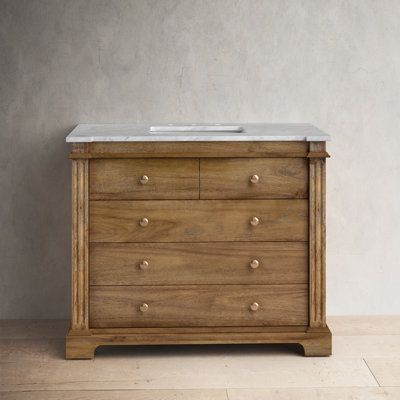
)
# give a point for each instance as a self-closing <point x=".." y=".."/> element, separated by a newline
<point x="198" y="237"/>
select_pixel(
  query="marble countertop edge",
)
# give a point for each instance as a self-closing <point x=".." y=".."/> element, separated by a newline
<point x="171" y="138"/>
<point x="253" y="132"/>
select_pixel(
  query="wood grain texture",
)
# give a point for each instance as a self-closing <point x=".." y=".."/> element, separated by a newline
<point x="80" y="249"/>
<point x="120" y="179"/>
<point x="316" y="393"/>
<point x="314" y="343"/>
<point x="193" y="149"/>
<point x="111" y="394"/>
<point x="200" y="305"/>
<point x="79" y="148"/>
<point x="199" y="329"/>
<point x="199" y="285"/>
<point x="229" y="178"/>
<point x="199" y="263"/>
<point x="317" y="238"/>
<point x="198" y="220"/>
<point x="318" y="154"/>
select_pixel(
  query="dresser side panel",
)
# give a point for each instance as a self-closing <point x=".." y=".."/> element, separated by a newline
<point x="80" y="245"/>
<point x="317" y="238"/>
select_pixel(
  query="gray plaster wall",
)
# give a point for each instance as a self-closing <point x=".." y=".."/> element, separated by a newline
<point x="335" y="64"/>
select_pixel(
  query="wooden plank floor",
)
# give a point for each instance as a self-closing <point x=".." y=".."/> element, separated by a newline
<point x="365" y="366"/>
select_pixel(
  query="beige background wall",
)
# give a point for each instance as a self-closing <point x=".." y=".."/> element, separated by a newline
<point x="332" y="63"/>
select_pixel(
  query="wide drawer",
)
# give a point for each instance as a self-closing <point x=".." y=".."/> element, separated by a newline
<point x="198" y="221"/>
<point x="130" y="179"/>
<point x="198" y="263"/>
<point x="202" y="305"/>
<point x="254" y="178"/>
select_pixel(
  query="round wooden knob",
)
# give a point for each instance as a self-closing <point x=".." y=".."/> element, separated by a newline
<point x="144" y="222"/>
<point x="254" y="306"/>
<point x="144" y="179"/>
<point x="255" y="179"/>
<point x="254" y="221"/>
<point x="144" y="307"/>
<point x="254" y="264"/>
<point x="144" y="264"/>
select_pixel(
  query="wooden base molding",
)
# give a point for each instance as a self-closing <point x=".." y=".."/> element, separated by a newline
<point x="316" y="342"/>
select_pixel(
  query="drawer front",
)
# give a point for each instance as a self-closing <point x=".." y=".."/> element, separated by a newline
<point x="202" y="305"/>
<point x="198" y="221"/>
<point x="198" y="263"/>
<point x="144" y="179"/>
<point x="256" y="178"/>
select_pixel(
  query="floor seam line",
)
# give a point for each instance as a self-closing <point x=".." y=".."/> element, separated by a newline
<point x="370" y="370"/>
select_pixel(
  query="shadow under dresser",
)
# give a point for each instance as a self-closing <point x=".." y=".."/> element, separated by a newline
<point x="198" y="235"/>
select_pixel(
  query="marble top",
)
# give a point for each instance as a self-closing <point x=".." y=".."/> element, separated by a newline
<point x="196" y="132"/>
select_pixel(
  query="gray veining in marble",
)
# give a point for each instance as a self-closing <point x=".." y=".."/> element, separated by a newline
<point x="249" y="132"/>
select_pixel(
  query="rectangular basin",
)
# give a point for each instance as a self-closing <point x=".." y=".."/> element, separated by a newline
<point x="196" y="128"/>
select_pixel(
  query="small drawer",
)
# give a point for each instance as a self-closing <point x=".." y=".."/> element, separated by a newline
<point x="254" y="178"/>
<point x="199" y="221"/>
<point x="131" y="179"/>
<point x="198" y="263"/>
<point x="200" y="305"/>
